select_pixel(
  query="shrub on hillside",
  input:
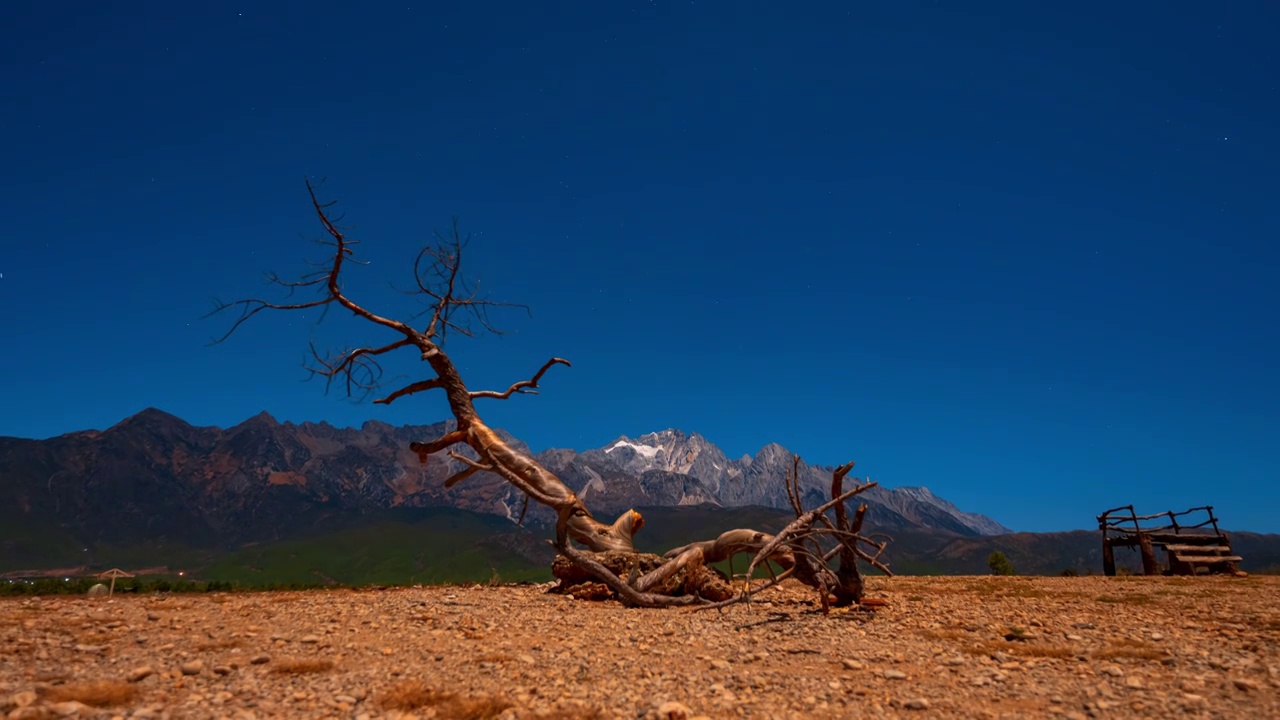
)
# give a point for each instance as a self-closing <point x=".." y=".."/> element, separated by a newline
<point x="999" y="564"/>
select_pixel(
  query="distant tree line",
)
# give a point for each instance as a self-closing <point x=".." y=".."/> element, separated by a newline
<point x="158" y="584"/>
<point x="81" y="585"/>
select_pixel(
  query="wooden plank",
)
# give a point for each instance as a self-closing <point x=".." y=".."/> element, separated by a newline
<point x="1198" y="548"/>
<point x="1196" y="559"/>
<point x="1163" y="537"/>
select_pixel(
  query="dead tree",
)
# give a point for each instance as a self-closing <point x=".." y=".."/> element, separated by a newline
<point x="680" y="577"/>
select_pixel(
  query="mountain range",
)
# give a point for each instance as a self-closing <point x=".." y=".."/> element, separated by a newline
<point x="157" y="476"/>
<point x="156" y="481"/>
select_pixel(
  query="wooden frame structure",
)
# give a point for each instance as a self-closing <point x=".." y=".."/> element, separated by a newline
<point x="114" y="573"/>
<point x="1189" y="546"/>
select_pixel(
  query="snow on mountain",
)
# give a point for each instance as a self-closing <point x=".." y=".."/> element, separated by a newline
<point x="646" y="451"/>
<point x="631" y="472"/>
<point x="262" y="479"/>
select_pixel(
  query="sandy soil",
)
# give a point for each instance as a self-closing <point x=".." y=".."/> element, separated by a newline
<point x="968" y="647"/>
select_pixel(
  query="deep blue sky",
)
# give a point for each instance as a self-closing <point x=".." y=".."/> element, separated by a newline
<point x="1021" y="253"/>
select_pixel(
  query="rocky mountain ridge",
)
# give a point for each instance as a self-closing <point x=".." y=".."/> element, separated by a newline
<point x="155" y="476"/>
<point x="672" y="458"/>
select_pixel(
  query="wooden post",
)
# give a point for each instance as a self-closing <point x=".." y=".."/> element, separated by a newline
<point x="1231" y="566"/>
<point x="1149" y="566"/>
<point x="1108" y="553"/>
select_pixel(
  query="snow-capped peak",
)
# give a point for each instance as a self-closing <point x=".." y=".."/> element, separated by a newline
<point x="646" y="451"/>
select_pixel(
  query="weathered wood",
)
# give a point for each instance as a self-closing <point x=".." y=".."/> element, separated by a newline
<point x="696" y="580"/>
<point x="1203" y="559"/>
<point x="450" y="302"/>
<point x="1185" y="551"/>
<point x="849" y="585"/>
<point x="1149" y="566"/>
<point x="1165" y="538"/>
<point x="114" y="573"/>
<point x="1197" y="548"/>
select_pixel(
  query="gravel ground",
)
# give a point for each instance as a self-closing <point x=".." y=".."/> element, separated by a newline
<point x="961" y="647"/>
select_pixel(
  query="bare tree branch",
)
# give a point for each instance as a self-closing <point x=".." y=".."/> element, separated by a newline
<point x="420" y="386"/>
<point x="335" y="288"/>
<point x="792" y="482"/>
<point x="629" y="594"/>
<point x="358" y="368"/>
<point x="253" y="306"/>
<point x="426" y="449"/>
<point x="440" y="280"/>
<point x="519" y="387"/>
<point x="471" y="468"/>
<point x="801" y="523"/>
<point x="453" y="304"/>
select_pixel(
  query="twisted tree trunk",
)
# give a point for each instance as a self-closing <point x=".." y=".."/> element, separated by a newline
<point x="682" y="576"/>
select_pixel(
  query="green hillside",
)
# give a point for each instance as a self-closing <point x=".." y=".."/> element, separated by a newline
<point x="445" y="545"/>
<point x="407" y="547"/>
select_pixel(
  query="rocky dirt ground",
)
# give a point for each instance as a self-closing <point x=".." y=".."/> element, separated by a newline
<point x="967" y="647"/>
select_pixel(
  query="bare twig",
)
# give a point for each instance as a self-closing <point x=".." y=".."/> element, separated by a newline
<point x="425" y="449"/>
<point x="358" y="367"/>
<point x="468" y="461"/>
<point x="792" y="482"/>
<point x="461" y="475"/>
<point x="440" y="280"/>
<point x="472" y="468"/>
<point x="802" y="522"/>
<point x="519" y="387"/>
<point x="343" y="251"/>
<point x="452" y="304"/>
<point x="420" y="386"/>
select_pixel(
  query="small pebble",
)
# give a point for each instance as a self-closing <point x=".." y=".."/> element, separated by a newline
<point x="1243" y="684"/>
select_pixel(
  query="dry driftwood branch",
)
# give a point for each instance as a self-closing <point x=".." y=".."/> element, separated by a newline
<point x="773" y="581"/>
<point x="472" y="468"/>
<point x="801" y="524"/>
<point x="440" y="279"/>
<point x="520" y="387"/>
<point x="792" y="482"/>
<point x="628" y="593"/>
<point x="410" y="389"/>
<point x="810" y="563"/>
<point x="463" y="474"/>
<point x="722" y="548"/>
<point x="849" y="585"/>
<point x="453" y="304"/>
<point x="468" y="461"/>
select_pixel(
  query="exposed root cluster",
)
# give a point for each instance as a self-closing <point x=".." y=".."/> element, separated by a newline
<point x="684" y="576"/>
